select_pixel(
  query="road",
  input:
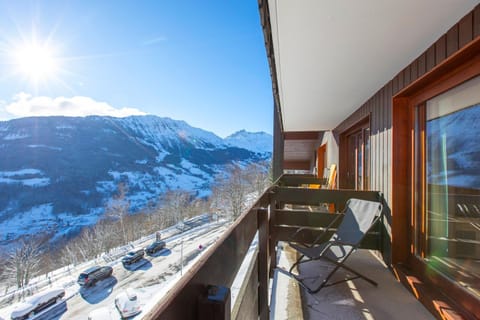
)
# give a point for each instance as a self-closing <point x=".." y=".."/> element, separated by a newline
<point x="151" y="276"/>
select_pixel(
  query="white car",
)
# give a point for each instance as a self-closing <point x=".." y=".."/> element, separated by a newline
<point x="37" y="303"/>
<point x="127" y="303"/>
<point x="102" y="313"/>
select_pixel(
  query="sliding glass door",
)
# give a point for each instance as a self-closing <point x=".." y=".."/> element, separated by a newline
<point x="358" y="159"/>
<point x="447" y="186"/>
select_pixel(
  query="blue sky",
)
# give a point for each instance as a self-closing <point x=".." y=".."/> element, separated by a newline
<point x="199" y="61"/>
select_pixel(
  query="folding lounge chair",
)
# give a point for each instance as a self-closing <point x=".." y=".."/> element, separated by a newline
<point x="358" y="218"/>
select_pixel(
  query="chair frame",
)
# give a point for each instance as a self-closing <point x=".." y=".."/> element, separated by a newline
<point x="339" y="263"/>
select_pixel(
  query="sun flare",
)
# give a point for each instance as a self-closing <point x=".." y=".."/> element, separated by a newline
<point x="37" y="62"/>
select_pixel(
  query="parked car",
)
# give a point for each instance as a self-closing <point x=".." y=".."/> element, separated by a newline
<point x="155" y="246"/>
<point x="103" y="313"/>
<point x="94" y="274"/>
<point x="37" y="303"/>
<point x="127" y="303"/>
<point x="132" y="257"/>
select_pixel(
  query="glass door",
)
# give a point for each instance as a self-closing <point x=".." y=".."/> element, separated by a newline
<point x="447" y="187"/>
<point x="358" y="159"/>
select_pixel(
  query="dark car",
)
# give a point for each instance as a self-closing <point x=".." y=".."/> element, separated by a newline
<point x="132" y="257"/>
<point x="96" y="273"/>
<point x="155" y="246"/>
<point x="37" y="303"/>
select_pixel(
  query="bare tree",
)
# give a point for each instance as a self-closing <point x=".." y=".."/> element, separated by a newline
<point x="237" y="186"/>
<point x="86" y="244"/>
<point x="118" y="207"/>
<point x="258" y="177"/>
<point x="69" y="255"/>
<point x="149" y="220"/>
<point x="230" y="191"/>
<point x="175" y="205"/>
<point x="24" y="261"/>
<point x="104" y="234"/>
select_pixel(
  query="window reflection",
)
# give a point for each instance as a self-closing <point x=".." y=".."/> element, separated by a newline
<point x="453" y="192"/>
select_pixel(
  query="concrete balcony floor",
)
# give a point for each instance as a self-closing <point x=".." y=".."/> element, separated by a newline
<point x="355" y="299"/>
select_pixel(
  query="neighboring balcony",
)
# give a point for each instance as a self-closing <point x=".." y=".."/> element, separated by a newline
<point x="261" y="289"/>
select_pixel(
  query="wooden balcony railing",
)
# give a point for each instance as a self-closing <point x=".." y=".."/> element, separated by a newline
<point x="282" y="208"/>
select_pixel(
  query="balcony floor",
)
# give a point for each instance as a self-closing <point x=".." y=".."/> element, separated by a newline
<point x="355" y="299"/>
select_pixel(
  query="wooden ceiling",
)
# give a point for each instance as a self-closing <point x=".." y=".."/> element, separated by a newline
<point x="299" y="149"/>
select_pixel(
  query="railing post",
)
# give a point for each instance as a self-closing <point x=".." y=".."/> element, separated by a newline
<point x="263" y="269"/>
<point x="272" y="238"/>
<point x="215" y="304"/>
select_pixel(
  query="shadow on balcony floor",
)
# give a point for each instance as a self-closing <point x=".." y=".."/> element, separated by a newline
<point x="355" y="299"/>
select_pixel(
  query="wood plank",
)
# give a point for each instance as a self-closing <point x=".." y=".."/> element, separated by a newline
<point x="456" y="77"/>
<point x="430" y="59"/>
<point x="463" y="63"/>
<point x="317" y="196"/>
<point x="381" y="138"/>
<point x="422" y="61"/>
<point x="272" y="242"/>
<point x="342" y="161"/>
<point x="465" y="30"/>
<point x="181" y="301"/>
<point x="401" y="83"/>
<point x="263" y="269"/>
<point x="297" y="180"/>
<point x="452" y="40"/>
<point x="386" y="142"/>
<point x="301" y="135"/>
<point x="440" y="49"/>
<point x="374" y="144"/>
<point x="476" y="22"/>
<point x="414" y="70"/>
<point x="296" y="165"/>
<point x="395" y="84"/>
<point x="304" y="218"/>
<point x="278" y="145"/>
<point x="407" y="75"/>
<point x="385" y="222"/>
<point x="400" y="182"/>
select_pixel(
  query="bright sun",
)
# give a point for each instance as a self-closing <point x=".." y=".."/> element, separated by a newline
<point x="36" y="62"/>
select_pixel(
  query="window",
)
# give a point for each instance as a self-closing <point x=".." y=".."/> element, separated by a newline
<point x="448" y="188"/>
<point x="358" y="158"/>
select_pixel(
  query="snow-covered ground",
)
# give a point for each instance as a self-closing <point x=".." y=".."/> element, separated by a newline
<point x="152" y="276"/>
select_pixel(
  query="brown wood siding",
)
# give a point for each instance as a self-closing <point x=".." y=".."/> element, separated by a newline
<point x="278" y="145"/>
<point x="379" y="106"/>
<point x="452" y="40"/>
<point x="430" y="58"/>
<point x="476" y="22"/>
<point x="465" y="30"/>
<point x="422" y="60"/>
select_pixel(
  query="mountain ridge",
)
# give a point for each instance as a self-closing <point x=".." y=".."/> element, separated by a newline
<point x="62" y="170"/>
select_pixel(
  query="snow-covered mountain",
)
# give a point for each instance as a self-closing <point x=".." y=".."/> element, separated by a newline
<point x="56" y="173"/>
<point x="254" y="141"/>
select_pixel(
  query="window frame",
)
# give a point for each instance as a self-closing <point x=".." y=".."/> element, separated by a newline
<point x="406" y="205"/>
<point x="360" y="128"/>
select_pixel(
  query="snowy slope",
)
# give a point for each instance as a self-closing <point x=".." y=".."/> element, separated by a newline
<point x="68" y="167"/>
